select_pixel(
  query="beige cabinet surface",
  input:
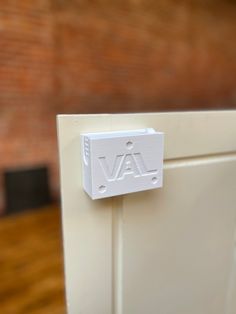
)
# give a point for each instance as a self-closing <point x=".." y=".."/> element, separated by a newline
<point x="167" y="251"/>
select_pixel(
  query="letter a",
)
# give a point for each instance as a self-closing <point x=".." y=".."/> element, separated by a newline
<point x="128" y="167"/>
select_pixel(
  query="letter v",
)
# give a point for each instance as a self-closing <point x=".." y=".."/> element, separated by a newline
<point x="111" y="175"/>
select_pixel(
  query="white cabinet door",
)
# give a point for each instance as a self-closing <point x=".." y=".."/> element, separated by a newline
<point x="165" y="251"/>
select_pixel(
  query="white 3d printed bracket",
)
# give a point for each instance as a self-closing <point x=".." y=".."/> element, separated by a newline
<point x="116" y="163"/>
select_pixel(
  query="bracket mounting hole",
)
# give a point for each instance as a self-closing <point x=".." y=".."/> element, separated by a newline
<point x="154" y="180"/>
<point x="102" y="188"/>
<point x="129" y="145"/>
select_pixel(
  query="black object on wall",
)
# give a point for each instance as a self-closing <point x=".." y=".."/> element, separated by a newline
<point x="26" y="188"/>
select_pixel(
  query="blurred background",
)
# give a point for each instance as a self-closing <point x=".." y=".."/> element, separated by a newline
<point x="89" y="56"/>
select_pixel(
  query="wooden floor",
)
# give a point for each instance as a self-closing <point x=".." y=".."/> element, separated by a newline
<point x="31" y="270"/>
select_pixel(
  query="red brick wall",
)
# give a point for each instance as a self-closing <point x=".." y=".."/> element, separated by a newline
<point x="147" y="54"/>
<point x="107" y="56"/>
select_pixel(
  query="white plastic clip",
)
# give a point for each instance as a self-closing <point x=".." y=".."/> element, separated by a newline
<point x="116" y="163"/>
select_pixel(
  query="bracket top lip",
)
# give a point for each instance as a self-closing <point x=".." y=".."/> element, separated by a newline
<point x="122" y="133"/>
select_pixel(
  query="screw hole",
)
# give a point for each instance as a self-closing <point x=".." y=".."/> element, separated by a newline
<point x="154" y="180"/>
<point x="129" y="145"/>
<point x="102" y="188"/>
